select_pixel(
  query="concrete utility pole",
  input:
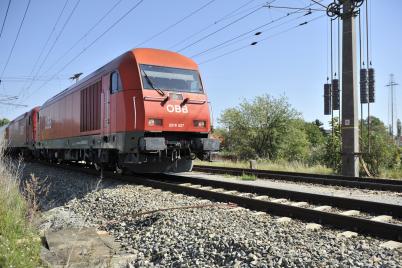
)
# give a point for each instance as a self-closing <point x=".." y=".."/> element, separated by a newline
<point x="391" y="87"/>
<point x="350" y="129"/>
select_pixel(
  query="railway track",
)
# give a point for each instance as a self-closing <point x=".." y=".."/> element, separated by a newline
<point x="353" y="182"/>
<point x="282" y="203"/>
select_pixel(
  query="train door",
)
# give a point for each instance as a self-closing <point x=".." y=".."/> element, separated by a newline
<point x="27" y="128"/>
<point x="34" y="121"/>
<point x="105" y="105"/>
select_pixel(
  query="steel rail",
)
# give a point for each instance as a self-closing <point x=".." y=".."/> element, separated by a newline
<point x="355" y="182"/>
<point x="364" y="226"/>
<point x="318" y="199"/>
<point x="360" y="225"/>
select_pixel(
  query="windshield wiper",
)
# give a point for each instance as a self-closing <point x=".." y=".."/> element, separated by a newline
<point x="160" y="91"/>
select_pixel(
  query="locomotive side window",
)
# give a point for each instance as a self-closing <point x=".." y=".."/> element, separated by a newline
<point x="115" y="84"/>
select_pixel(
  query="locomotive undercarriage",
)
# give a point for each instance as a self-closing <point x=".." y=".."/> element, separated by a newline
<point x="137" y="152"/>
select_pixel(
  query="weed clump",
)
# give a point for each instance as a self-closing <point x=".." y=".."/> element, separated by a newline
<point x="19" y="243"/>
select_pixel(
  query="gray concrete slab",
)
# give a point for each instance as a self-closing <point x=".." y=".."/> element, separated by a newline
<point x="79" y="247"/>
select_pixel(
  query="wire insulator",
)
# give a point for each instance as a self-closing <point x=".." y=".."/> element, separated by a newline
<point x="327" y="99"/>
<point x="335" y="94"/>
<point x="371" y="85"/>
<point x="363" y="86"/>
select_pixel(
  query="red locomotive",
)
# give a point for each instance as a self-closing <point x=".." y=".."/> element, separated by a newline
<point x="145" y="111"/>
<point x="20" y="133"/>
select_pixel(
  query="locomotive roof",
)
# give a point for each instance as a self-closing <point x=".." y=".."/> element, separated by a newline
<point x="24" y="115"/>
<point x="163" y="57"/>
<point x="141" y="55"/>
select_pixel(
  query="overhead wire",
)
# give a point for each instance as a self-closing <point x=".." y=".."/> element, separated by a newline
<point x="174" y="24"/>
<point x="225" y="17"/>
<point x="360" y="65"/>
<point x="332" y="80"/>
<point x="371" y="31"/>
<point x="13" y="104"/>
<point x="255" y="29"/>
<point x="58" y="36"/>
<point x="368" y="66"/>
<point x="261" y="40"/>
<point x="85" y="35"/>
<point x="319" y="3"/>
<point x="220" y="29"/>
<point x="82" y="37"/>
<point x="297" y="8"/>
<point x="327" y="50"/>
<point x="24" y="80"/>
<point x="237" y="40"/>
<point x="45" y="45"/>
<point x="237" y="11"/>
<point x="93" y="42"/>
<point x="5" y="18"/>
<point x="339" y="77"/>
<point x="16" y="39"/>
<point x="368" y="35"/>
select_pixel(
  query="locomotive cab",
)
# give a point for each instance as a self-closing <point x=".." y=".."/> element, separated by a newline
<point x="176" y="114"/>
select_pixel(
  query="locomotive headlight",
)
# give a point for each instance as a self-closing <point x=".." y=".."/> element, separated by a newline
<point x="155" y="122"/>
<point x="200" y="123"/>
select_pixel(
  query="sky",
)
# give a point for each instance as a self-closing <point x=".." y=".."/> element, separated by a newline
<point x="291" y="60"/>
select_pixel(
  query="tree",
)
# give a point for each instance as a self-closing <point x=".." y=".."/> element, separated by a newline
<point x="384" y="153"/>
<point x="320" y="125"/>
<point x="332" y="155"/>
<point x="315" y="132"/>
<point x="258" y="128"/>
<point x="4" y="121"/>
<point x="316" y="136"/>
<point x="295" y="145"/>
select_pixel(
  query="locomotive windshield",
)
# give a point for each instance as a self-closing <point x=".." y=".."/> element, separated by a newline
<point x="167" y="78"/>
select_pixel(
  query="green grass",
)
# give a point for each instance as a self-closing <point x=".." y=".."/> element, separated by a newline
<point x="395" y="173"/>
<point x="19" y="243"/>
<point x="247" y="177"/>
<point x="271" y="165"/>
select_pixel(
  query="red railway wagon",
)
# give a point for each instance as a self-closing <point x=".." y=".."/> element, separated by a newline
<point x="146" y="111"/>
<point x="4" y="134"/>
<point x="21" y="132"/>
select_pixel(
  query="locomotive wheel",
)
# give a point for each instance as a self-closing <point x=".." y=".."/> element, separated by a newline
<point x="97" y="167"/>
<point x="182" y="165"/>
<point x="119" y="169"/>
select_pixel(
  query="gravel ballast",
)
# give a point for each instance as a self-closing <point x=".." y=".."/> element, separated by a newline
<point x="199" y="237"/>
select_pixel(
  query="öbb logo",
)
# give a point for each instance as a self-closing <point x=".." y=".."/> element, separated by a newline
<point x="177" y="109"/>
